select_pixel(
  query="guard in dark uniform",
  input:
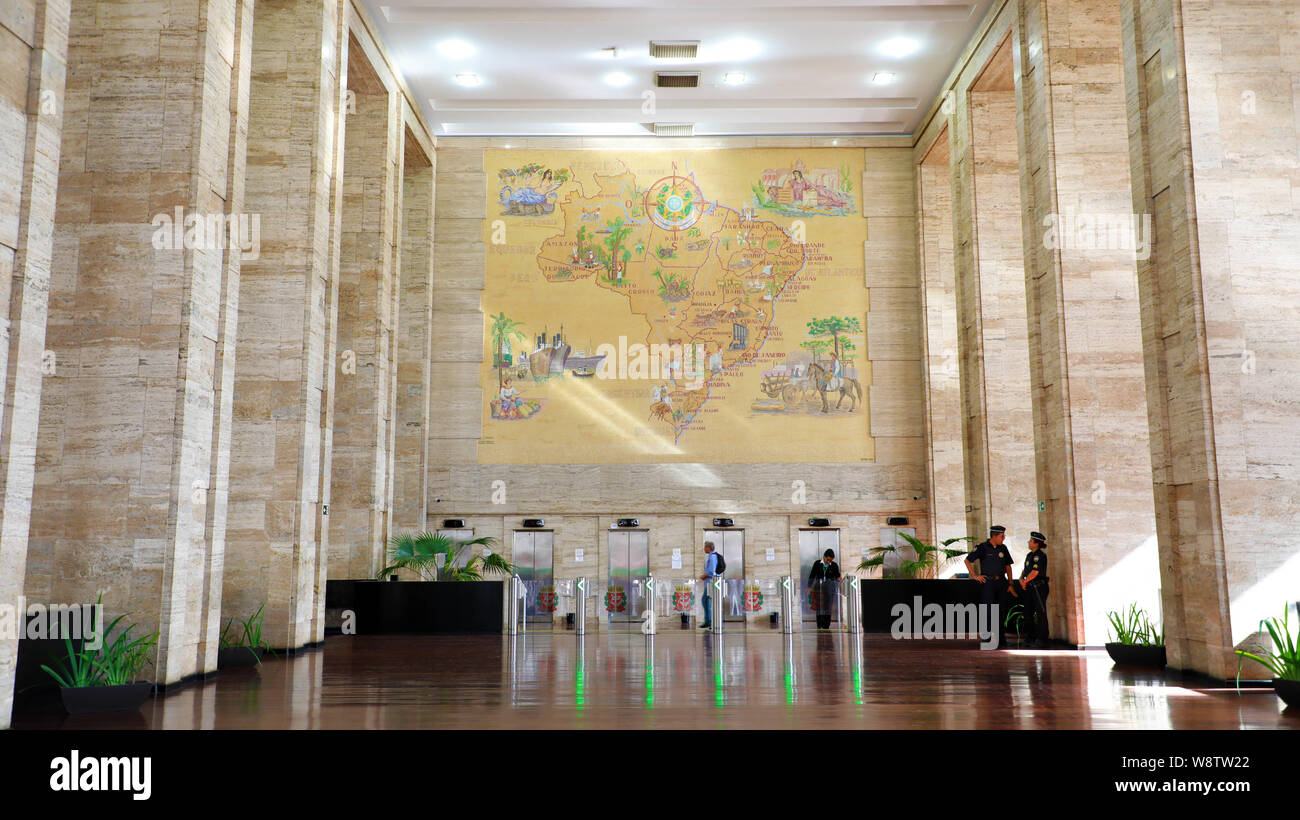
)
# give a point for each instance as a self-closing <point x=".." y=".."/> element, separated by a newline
<point x="994" y="568"/>
<point x="1033" y="580"/>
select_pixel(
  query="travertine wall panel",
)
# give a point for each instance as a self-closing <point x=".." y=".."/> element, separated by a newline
<point x="944" y="451"/>
<point x="130" y="500"/>
<point x="284" y="383"/>
<point x="369" y="286"/>
<point x="33" y="64"/>
<point x="1212" y="118"/>
<point x="1085" y="340"/>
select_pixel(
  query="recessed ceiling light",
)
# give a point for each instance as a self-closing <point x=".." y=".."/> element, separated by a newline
<point x="882" y="77"/>
<point x="739" y="48"/>
<point x="617" y="78"/>
<point x="734" y="78"/>
<point x="899" y="47"/>
<point x="468" y="79"/>
<point x="456" y="49"/>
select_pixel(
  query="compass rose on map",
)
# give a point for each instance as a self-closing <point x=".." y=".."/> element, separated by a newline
<point x="674" y="203"/>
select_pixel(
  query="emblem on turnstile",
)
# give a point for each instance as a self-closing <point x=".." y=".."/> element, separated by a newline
<point x="753" y="598"/>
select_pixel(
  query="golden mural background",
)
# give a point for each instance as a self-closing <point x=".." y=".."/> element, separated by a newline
<point x="728" y="254"/>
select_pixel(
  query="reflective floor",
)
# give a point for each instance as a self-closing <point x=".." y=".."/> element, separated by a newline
<point x="685" y="680"/>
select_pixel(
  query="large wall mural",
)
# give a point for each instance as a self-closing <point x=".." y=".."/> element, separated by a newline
<point x="702" y="306"/>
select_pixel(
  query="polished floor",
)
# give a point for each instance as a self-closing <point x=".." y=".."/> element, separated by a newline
<point x="686" y="680"/>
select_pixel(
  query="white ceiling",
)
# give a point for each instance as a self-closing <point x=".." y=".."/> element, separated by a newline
<point x="543" y="71"/>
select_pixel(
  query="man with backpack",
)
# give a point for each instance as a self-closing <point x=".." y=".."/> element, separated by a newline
<point x="714" y="565"/>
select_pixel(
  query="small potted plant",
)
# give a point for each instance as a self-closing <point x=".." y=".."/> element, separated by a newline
<point x="1283" y="660"/>
<point x="1137" y="641"/>
<point x="1015" y="620"/>
<point x="239" y="651"/>
<point x="105" y="678"/>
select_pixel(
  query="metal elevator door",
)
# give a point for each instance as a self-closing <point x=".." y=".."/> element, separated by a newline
<point x="812" y="544"/>
<point x="731" y="545"/>
<point x="534" y="560"/>
<point x="629" y="567"/>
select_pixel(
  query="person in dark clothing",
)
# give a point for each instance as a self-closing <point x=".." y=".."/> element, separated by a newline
<point x="1033" y="580"/>
<point x="994" y="566"/>
<point x="825" y="573"/>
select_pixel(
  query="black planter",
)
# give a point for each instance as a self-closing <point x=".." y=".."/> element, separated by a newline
<point x="1129" y="655"/>
<point x="880" y="595"/>
<point x="239" y="657"/>
<point x="420" y="607"/>
<point x="1288" y="691"/>
<point x="85" y="700"/>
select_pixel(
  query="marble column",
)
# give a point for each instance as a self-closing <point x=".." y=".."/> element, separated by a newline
<point x="33" y="63"/>
<point x="132" y="452"/>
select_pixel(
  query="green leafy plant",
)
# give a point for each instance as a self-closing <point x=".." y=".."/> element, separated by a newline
<point x="1015" y="619"/>
<point x="419" y="553"/>
<point x="1133" y="627"/>
<point x="929" y="558"/>
<point x="1283" y="660"/>
<point x="117" y="661"/>
<point x="251" y="636"/>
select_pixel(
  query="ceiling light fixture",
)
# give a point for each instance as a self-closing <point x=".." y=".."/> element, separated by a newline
<point x="609" y="52"/>
<point x="468" y="79"/>
<point x="456" y="49"/>
<point x="734" y="78"/>
<point x="737" y="49"/>
<point x="899" y="47"/>
<point x="882" y="78"/>
<point x="617" y="78"/>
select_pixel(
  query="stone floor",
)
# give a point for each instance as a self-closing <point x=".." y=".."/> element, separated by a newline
<point x="686" y="680"/>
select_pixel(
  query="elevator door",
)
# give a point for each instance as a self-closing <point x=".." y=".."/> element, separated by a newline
<point x="812" y="544"/>
<point x="629" y="567"/>
<point x="535" y="563"/>
<point x="731" y="544"/>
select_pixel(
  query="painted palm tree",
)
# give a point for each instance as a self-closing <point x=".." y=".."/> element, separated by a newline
<point x="419" y="552"/>
<point x="504" y="330"/>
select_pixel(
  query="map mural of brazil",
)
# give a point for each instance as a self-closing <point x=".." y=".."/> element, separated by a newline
<point x="701" y="306"/>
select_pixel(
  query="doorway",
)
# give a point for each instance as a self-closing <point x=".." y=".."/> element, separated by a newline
<point x="534" y="560"/>
<point x="730" y="544"/>
<point x="629" y="567"/>
<point x="812" y="544"/>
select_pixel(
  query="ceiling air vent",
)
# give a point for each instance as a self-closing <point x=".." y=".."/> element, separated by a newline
<point x="675" y="49"/>
<point x="673" y="129"/>
<point x="677" y="79"/>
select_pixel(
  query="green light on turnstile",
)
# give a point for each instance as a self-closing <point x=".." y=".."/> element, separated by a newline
<point x="719" y="697"/>
<point x="579" y="685"/>
<point x="650" y="687"/>
<point x="789" y="686"/>
<point x="857" y="684"/>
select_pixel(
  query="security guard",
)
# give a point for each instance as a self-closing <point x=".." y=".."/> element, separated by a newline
<point x="1033" y="579"/>
<point x="991" y="554"/>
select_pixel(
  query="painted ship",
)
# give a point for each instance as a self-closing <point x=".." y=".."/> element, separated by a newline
<point x="553" y="356"/>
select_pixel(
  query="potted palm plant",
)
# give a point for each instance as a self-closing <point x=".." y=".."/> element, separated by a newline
<point x="1283" y="660"/>
<point x="242" y="646"/>
<point x="1138" y="642"/>
<point x="911" y="578"/>
<point x="104" y="678"/>
<point x="439" y="558"/>
<point x="431" y="605"/>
